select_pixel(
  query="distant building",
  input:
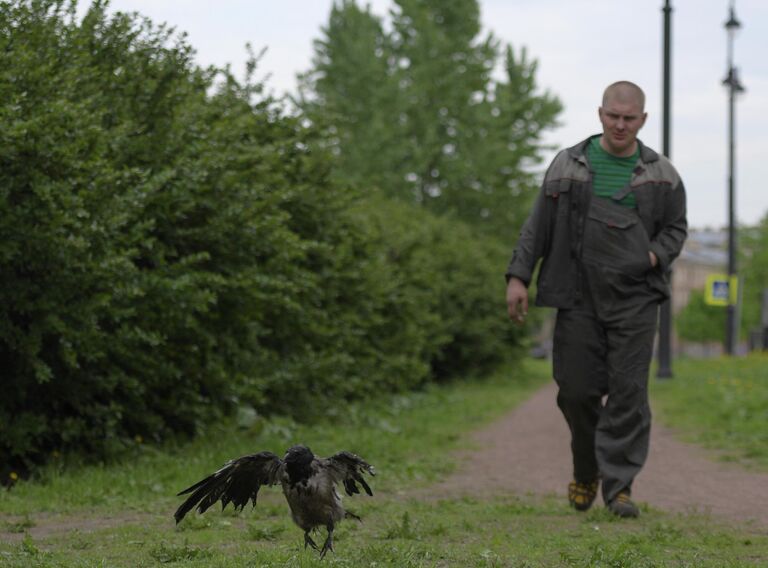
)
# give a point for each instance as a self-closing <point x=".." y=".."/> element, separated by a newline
<point x="704" y="253"/>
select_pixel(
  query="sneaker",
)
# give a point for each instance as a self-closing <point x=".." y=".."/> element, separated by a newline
<point x="582" y="495"/>
<point x="622" y="506"/>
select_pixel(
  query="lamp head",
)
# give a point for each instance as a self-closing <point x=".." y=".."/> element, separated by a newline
<point x="732" y="25"/>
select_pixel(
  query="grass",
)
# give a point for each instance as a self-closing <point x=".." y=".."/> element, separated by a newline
<point x="124" y="511"/>
<point x="407" y="437"/>
<point x="721" y="404"/>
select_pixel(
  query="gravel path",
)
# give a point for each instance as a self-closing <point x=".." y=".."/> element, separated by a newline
<point x="527" y="452"/>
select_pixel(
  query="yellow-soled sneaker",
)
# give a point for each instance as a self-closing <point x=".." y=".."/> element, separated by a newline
<point x="582" y="495"/>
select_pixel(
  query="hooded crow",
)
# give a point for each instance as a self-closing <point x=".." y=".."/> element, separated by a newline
<point x="309" y="485"/>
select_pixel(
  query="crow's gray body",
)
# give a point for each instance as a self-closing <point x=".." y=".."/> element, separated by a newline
<point x="314" y="501"/>
<point x="308" y="483"/>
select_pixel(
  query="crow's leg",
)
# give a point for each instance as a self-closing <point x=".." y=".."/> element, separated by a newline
<point x="328" y="544"/>
<point x="308" y="541"/>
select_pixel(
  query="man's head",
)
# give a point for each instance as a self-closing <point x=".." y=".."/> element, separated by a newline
<point x="622" y="115"/>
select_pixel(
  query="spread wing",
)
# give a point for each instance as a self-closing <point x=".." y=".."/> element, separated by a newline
<point x="239" y="480"/>
<point x="348" y="468"/>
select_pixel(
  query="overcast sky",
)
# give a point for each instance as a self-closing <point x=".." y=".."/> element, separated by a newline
<point x="581" y="47"/>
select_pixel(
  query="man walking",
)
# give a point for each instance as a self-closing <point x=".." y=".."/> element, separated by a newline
<point x="609" y="220"/>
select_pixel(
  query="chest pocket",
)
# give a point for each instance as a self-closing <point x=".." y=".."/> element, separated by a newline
<point x="557" y="192"/>
<point x="615" y="237"/>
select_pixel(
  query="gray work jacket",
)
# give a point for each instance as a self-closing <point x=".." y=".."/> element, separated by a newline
<point x="554" y="229"/>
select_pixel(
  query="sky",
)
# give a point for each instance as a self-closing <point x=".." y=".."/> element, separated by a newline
<point x="581" y="47"/>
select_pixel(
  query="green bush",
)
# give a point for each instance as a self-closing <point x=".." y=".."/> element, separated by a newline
<point x="699" y="322"/>
<point x="411" y="299"/>
<point x="451" y="275"/>
<point x="171" y="249"/>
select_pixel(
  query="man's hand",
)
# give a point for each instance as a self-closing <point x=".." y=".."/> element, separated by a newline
<point x="517" y="300"/>
<point x="654" y="260"/>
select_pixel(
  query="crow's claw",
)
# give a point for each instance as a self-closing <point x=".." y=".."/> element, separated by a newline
<point x="327" y="545"/>
<point x="309" y="542"/>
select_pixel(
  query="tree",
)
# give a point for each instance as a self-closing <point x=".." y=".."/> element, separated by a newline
<point x="355" y="96"/>
<point x="754" y="274"/>
<point x="416" y="111"/>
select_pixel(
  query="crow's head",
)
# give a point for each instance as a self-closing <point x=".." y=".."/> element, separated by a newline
<point x="297" y="463"/>
<point x="299" y="455"/>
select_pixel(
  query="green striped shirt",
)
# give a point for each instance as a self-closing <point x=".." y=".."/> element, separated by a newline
<point x="611" y="173"/>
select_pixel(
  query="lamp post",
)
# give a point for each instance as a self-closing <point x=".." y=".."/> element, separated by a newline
<point x="664" y="369"/>
<point x="734" y="86"/>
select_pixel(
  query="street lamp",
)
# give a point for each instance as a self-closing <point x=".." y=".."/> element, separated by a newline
<point x="734" y="87"/>
<point x="664" y="368"/>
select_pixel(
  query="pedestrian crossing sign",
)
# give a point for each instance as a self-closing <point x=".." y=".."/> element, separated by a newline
<point x="721" y="290"/>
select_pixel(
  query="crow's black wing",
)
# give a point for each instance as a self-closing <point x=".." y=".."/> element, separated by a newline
<point x="239" y="480"/>
<point x="347" y="468"/>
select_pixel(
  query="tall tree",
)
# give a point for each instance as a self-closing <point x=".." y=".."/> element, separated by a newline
<point x="416" y="110"/>
<point x="351" y="92"/>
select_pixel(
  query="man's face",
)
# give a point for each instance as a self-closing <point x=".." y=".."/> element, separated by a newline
<point x="621" y="121"/>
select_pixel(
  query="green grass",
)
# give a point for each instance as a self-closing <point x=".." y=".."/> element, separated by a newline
<point x="406" y="438"/>
<point x="719" y="403"/>
<point x="124" y="511"/>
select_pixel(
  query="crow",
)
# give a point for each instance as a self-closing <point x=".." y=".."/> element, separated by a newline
<point x="309" y="485"/>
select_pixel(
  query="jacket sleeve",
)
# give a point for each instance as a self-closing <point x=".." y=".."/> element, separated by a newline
<point x="668" y="242"/>
<point x="533" y="241"/>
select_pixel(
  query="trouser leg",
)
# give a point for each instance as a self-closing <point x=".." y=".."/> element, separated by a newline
<point x="592" y="357"/>
<point x="579" y="368"/>
<point x="623" y="431"/>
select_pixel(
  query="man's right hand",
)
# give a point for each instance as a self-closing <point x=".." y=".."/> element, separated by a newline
<point x="517" y="300"/>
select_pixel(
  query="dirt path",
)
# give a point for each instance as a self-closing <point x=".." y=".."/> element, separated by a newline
<point x="527" y="452"/>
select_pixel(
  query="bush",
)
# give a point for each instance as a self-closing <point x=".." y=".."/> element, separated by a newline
<point x="699" y="322"/>
<point x="171" y="249"/>
<point x="413" y="298"/>
<point x="453" y="276"/>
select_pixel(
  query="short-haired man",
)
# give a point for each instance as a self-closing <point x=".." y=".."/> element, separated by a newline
<point x="608" y="221"/>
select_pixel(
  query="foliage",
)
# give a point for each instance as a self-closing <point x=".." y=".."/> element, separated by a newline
<point x="416" y="111"/>
<point x="440" y="269"/>
<point x="77" y="306"/>
<point x="754" y="274"/>
<point x="172" y="247"/>
<point x="416" y="298"/>
<point x="698" y="321"/>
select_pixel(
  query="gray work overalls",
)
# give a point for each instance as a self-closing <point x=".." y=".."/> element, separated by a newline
<point x="604" y="345"/>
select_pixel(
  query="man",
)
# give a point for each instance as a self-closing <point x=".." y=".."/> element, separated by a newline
<point x="609" y="220"/>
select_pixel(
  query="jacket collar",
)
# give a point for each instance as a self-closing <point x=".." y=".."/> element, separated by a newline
<point x="579" y="151"/>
